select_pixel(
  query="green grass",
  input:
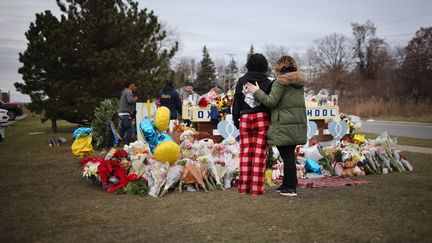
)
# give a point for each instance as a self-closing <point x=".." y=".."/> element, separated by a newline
<point x="44" y="199"/>
<point x="405" y="140"/>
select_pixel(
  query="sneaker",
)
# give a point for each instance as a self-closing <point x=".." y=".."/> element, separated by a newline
<point x="288" y="192"/>
<point x="279" y="188"/>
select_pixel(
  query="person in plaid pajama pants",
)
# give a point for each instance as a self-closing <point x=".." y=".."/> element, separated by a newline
<point x="253" y="152"/>
<point x="288" y="126"/>
<point x="252" y="119"/>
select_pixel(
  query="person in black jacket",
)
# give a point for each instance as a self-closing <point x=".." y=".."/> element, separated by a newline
<point x="170" y="98"/>
<point x="252" y="119"/>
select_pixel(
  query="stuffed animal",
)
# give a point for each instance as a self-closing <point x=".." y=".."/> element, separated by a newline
<point x="187" y="140"/>
<point x="277" y="172"/>
<point x="300" y="170"/>
<point x="358" y="172"/>
<point x="232" y="146"/>
<point x="206" y="145"/>
<point x="348" y="172"/>
<point x="351" y="169"/>
<point x="218" y="152"/>
<point x="202" y="145"/>
<point x="202" y="135"/>
<point x="181" y="127"/>
<point x="188" y="135"/>
<point x="137" y="148"/>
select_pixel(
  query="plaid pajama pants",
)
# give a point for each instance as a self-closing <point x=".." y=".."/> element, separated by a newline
<point x="253" y="152"/>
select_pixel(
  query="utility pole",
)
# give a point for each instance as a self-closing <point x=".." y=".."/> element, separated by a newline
<point x="193" y="70"/>
<point x="231" y="55"/>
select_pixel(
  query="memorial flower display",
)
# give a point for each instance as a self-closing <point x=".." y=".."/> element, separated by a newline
<point x="158" y="165"/>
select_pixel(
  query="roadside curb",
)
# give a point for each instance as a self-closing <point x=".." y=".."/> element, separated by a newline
<point x="398" y="122"/>
<point x="414" y="149"/>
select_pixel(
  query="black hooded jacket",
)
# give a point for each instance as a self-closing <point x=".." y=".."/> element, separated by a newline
<point x="169" y="97"/>
<point x="240" y="107"/>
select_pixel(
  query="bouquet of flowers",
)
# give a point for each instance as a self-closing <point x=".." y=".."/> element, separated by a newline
<point x="211" y="168"/>
<point x="327" y="161"/>
<point x="192" y="174"/>
<point x="157" y="176"/>
<point x="386" y="152"/>
<point x="174" y="175"/>
<point x="90" y="171"/>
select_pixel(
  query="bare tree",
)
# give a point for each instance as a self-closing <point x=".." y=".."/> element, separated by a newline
<point x="300" y="59"/>
<point x="172" y="36"/>
<point x="273" y="53"/>
<point x="416" y="68"/>
<point x="332" y="53"/>
<point x="220" y="70"/>
<point x="368" y="49"/>
<point x="184" y="70"/>
<point x="330" y="62"/>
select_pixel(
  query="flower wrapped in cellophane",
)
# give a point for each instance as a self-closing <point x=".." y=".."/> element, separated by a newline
<point x="174" y="175"/>
<point x="90" y="170"/>
<point x="372" y="165"/>
<point x="210" y="165"/>
<point x="156" y="174"/>
<point x="385" y="147"/>
<point x="192" y="175"/>
<point x="406" y="164"/>
<point x="327" y="159"/>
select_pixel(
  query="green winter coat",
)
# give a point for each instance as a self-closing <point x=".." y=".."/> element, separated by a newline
<point x="288" y="124"/>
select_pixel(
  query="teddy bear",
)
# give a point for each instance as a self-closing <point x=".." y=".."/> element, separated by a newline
<point x="187" y="140"/>
<point x="300" y="170"/>
<point x="351" y="169"/>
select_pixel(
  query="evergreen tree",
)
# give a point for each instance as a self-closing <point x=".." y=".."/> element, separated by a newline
<point x="243" y="68"/>
<point x="90" y="54"/>
<point x="206" y="74"/>
<point x="44" y="68"/>
<point x="105" y="113"/>
<point x="251" y="52"/>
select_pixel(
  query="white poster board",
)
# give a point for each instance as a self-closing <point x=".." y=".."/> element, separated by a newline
<point x="320" y="112"/>
<point x="143" y="111"/>
<point x="196" y="113"/>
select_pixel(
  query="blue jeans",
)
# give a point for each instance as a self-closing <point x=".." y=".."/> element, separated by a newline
<point x="126" y="128"/>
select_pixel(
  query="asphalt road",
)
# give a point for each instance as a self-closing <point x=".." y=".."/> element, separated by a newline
<point x="403" y="129"/>
<point x="18" y="118"/>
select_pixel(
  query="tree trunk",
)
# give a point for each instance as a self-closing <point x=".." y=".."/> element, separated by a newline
<point x="53" y="125"/>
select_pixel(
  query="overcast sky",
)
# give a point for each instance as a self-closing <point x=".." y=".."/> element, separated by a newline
<point x="228" y="26"/>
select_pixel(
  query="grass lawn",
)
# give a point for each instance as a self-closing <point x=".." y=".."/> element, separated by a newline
<point x="405" y="140"/>
<point x="45" y="199"/>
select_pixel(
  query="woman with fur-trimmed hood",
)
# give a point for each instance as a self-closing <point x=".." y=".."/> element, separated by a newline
<point x="288" y="122"/>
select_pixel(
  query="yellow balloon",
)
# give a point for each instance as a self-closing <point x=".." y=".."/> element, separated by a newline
<point x="162" y="118"/>
<point x="167" y="151"/>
